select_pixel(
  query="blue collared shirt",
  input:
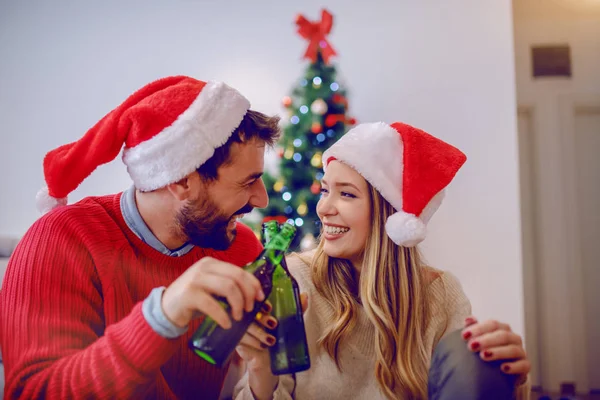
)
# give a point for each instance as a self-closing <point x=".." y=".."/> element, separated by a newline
<point x="151" y="307"/>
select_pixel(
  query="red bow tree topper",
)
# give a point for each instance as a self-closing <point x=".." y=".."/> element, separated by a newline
<point x="316" y="34"/>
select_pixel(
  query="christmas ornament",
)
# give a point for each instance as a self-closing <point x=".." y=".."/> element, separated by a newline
<point x="339" y="99"/>
<point x="289" y="153"/>
<point x="287" y="101"/>
<point x="315" y="188"/>
<point x="317" y="82"/>
<point x="302" y="209"/>
<point x="319" y="107"/>
<point x="315" y="33"/>
<point x="333" y="119"/>
<point x="316" y="127"/>
<point x="280" y="152"/>
<point x="317" y="160"/>
<point x="278" y="186"/>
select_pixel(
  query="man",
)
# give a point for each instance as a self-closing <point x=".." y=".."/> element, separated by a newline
<point x="84" y="309"/>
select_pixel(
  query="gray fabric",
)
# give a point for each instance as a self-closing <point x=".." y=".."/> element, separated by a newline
<point x="458" y="373"/>
<point x="154" y="315"/>
<point x="151" y="307"/>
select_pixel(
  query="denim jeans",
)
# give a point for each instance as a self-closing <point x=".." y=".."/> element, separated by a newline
<point x="456" y="373"/>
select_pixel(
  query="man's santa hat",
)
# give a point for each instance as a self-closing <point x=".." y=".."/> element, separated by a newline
<point x="168" y="129"/>
<point x="408" y="167"/>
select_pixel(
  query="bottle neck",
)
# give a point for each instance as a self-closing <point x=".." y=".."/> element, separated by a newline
<point x="268" y="235"/>
<point x="273" y="255"/>
<point x="270" y="229"/>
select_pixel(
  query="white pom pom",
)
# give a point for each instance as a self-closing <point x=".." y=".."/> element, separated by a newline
<point x="44" y="202"/>
<point x="405" y="229"/>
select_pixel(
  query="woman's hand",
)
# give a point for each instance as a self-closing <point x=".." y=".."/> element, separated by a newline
<point x="254" y="350"/>
<point x="496" y="341"/>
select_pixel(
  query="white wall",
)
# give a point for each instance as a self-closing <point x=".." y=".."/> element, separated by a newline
<point x="559" y="327"/>
<point x="444" y="66"/>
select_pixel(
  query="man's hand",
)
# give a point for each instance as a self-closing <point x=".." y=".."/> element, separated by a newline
<point x="193" y="292"/>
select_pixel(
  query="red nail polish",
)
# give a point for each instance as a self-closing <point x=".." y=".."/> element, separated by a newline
<point x="467" y="335"/>
<point x="487" y="354"/>
<point x="475" y="345"/>
<point x="271" y="340"/>
<point x="506" y="368"/>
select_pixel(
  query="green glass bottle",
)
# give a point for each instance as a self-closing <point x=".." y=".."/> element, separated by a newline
<point x="290" y="353"/>
<point x="215" y="344"/>
<point x="270" y="229"/>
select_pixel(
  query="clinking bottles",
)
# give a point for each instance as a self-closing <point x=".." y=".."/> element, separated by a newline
<point x="289" y="354"/>
<point x="215" y="344"/>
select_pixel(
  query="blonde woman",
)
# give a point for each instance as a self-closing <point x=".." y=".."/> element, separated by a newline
<point x="376" y="313"/>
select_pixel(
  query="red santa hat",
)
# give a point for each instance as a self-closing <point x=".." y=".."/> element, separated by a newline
<point x="408" y="167"/>
<point x="168" y="129"/>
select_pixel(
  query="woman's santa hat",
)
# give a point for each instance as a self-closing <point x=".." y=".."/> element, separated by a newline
<point x="408" y="167"/>
<point x="168" y="129"/>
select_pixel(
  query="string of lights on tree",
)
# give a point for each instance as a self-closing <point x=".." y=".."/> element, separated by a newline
<point x="316" y="118"/>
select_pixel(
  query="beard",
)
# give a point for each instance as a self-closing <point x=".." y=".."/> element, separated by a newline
<point x="203" y="224"/>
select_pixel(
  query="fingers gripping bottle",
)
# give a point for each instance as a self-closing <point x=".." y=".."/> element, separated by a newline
<point x="215" y="344"/>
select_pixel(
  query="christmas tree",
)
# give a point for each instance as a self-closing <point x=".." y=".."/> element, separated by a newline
<point x="317" y="117"/>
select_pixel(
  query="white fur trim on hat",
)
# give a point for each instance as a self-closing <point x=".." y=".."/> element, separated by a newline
<point x="190" y="141"/>
<point x="45" y="203"/>
<point x="381" y="164"/>
<point x="405" y="229"/>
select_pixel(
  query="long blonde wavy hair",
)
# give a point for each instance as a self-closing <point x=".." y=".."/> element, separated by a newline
<point x="391" y="289"/>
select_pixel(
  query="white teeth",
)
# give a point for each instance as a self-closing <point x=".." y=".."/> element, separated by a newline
<point x="335" y="230"/>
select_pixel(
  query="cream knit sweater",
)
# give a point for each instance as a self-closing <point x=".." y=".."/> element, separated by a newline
<point x="449" y="308"/>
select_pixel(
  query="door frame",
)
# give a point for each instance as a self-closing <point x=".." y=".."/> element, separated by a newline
<point x="530" y="247"/>
<point x="569" y="106"/>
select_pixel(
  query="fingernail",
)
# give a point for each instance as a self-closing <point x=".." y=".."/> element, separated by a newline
<point x="469" y="321"/>
<point x="271" y="323"/>
<point x="266" y="307"/>
<point x="506" y="368"/>
<point x="467" y="335"/>
<point x="271" y="340"/>
<point x="262" y="345"/>
<point x="474" y="345"/>
<point x="487" y="354"/>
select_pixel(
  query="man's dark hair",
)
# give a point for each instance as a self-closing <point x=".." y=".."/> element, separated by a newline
<point x="254" y="125"/>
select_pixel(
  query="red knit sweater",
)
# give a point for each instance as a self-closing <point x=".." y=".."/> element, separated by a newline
<point x="71" y="324"/>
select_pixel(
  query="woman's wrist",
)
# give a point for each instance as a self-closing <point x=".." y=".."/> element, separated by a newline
<point x="262" y="385"/>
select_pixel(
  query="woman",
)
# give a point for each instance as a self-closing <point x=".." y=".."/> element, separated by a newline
<point x="376" y="312"/>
